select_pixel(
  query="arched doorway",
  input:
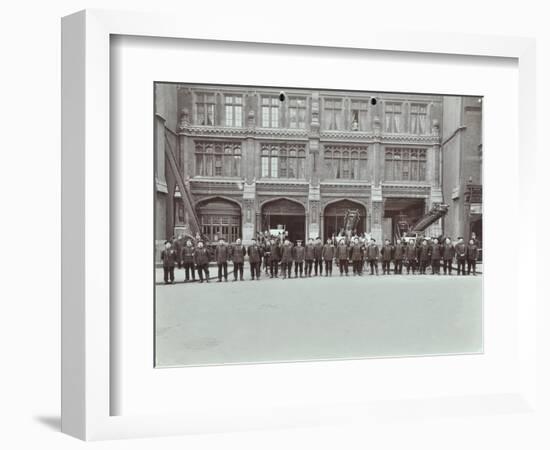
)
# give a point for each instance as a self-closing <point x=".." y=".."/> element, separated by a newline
<point x="334" y="213"/>
<point x="220" y="218"/>
<point x="285" y="214"/>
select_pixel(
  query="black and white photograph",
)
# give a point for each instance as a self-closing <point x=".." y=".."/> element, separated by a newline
<point x="300" y="224"/>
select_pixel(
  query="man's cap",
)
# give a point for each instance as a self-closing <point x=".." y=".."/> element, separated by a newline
<point x="167" y="242"/>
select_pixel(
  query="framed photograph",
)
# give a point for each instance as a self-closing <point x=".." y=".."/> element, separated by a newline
<point x="263" y="231"/>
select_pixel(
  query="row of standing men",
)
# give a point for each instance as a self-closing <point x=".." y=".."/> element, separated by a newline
<point x="314" y="258"/>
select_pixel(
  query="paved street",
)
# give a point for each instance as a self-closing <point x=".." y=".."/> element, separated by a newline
<point x="317" y="318"/>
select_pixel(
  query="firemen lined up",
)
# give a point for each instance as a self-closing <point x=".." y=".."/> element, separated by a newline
<point x="280" y="258"/>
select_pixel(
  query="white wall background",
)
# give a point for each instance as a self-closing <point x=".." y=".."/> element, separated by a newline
<point x="30" y="202"/>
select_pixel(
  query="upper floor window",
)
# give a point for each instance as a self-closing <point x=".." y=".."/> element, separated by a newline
<point x="283" y="161"/>
<point x="393" y="117"/>
<point x="333" y="113"/>
<point x="359" y="115"/>
<point x="346" y="162"/>
<point x="418" y="118"/>
<point x="206" y="107"/>
<point x="297" y="112"/>
<point x="233" y="111"/>
<point x="217" y="159"/>
<point x="405" y="164"/>
<point x="270" y="112"/>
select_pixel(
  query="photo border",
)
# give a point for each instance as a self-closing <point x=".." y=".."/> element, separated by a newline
<point x="86" y="255"/>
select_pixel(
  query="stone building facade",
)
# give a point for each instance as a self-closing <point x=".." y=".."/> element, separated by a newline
<point x="250" y="161"/>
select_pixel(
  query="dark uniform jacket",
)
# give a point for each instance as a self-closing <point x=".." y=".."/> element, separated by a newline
<point x="238" y="252"/>
<point x="310" y="252"/>
<point x="169" y="257"/>
<point x="387" y="251"/>
<point x="399" y="252"/>
<point x="179" y="245"/>
<point x="187" y="254"/>
<point x="286" y="253"/>
<point x="222" y="253"/>
<point x="318" y="251"/>
<point x="436" y="251"/>
<point x="201" y="256"/>
<point x="411" y="252"/>
<point x="424" y="253"/>
<point x="328" y="252"/>
<point x="342" y="252"/>
<point x="299" y="253"/>
<point x="357" y="252"/>
<point x="273" y="252"/>
<point x="461" y="250"/>
<point x="254" y="253"/>
<point x="448" y="252"/>
<point x="472" y="252"/>
<point x="372" y="252"/>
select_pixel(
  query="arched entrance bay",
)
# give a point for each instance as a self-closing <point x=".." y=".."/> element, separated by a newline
<point x="333" y="217"/>
<point x="285" y="214"/>
<point x="220" y="218"/>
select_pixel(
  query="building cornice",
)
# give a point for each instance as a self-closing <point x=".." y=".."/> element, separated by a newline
<point x="201" y="131"/>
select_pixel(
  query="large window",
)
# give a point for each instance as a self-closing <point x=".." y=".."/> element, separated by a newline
<point x="418" y="118"/>
<point x="217" y="159"/>
<point x="359" y="115"/>
<point x="233" y="111"/>
<point x="297" y="112"/>
<point x="405" y="164"/>
<point x="283" y="161"/>
<point x="333" y="114"/>
<point x="270" y="112"/>
<point x="393" y="117"/>
<point x="206" y="107"/>
<point x="346" y="163"/>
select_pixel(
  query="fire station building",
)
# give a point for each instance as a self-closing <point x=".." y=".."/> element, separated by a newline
<point x="241" y="160"/>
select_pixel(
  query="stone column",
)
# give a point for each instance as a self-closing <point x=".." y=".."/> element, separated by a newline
<point x="314" y="206"/>
<point x="250" y="155"/>
<point x="376" y="200"/>
<point x="376" y="213"/>
<point x="250" y="213"/>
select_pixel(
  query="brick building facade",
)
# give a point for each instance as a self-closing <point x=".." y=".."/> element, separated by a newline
<point x="251" y="162"/>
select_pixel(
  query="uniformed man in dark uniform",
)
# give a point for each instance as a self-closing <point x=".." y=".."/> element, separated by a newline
<point x="328" y="254"/>
<point x="255" y="259"/>
<point x="372" y="256"/>
<point x="238" y="252"/>
<point x="222" y="255"/>
<point x="274" y="257"/>
<point x="187" y="256"/>
<point x="298" y="255"/>
<point x="398" y="255"/>
<point x="411" y="255"/>
<point x="286" y="259"/>
<point x="387" y="255"/>
<point x="435" y="256"/>
<point x="461" y="250"/>
<point x="309" y="257"/>
<point x="448" y="255"/>
<point x="168" y="257"/>
<point x="342" y="257"/>
<point x="357" y="253"/>
<point x="179" y="245"/>
<point x="472" y="253"/>
<point x="424" y="256"/>
<point x="201" y="261"/>
<point x="318" y="254"/>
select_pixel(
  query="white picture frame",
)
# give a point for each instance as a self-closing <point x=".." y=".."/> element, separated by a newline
<point x="87" y="328"/>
